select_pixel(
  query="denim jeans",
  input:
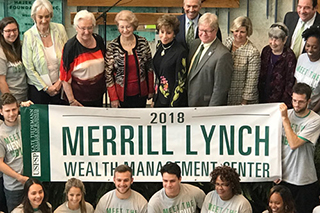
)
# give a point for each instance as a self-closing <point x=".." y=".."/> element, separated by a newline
<point x="14" y="198"/>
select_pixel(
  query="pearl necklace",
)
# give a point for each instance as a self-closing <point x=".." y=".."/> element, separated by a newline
<point x="165" y="48"/>
<point x="45" y="35"/>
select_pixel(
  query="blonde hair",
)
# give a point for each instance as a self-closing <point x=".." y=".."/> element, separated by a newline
<point x="211" y="19"/>
<point x="242" y="21"/>
<point x="127" y="15"/>
<point x="74" y="182"/>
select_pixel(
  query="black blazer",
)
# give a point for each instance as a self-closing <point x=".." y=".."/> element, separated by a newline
<point x="291" y="20"/>
<point x="181" y="36"/>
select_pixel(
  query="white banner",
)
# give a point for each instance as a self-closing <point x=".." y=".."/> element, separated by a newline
<point x="88" y="143"/>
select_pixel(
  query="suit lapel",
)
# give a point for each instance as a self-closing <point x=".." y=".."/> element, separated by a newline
<point x="204" y="59"/>
<point x="183" y="27"/>
<point x="207" y="55"/>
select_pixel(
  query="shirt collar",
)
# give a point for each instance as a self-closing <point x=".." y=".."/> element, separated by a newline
<point x="195" y="20"/>
<point x="308" y="23"/>
<point x="207" y="45"/>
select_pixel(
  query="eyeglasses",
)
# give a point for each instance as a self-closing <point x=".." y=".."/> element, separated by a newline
<point x="223" y="185"/>
<point x="11" y="31"/>
<point x="206" y="31"/>
<point x="85" y="28"/>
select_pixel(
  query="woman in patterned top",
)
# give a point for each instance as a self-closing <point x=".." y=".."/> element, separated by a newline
<point x="12" y="73"/>
<point x="170" y="65"/>
<point x="82" y="70"/>
<point x="128" y="72"/>
<point x="246" y="63"/>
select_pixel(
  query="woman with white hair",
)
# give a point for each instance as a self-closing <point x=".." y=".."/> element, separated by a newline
<point x="278" y="64"/>
<point x="82" y="67"/>
<point x="41" y="54"/>
<point x="246" y="63"/>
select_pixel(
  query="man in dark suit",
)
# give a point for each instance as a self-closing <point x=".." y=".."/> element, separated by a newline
<point x="305" y="16"/>
<point x="211" y="66"/>
<point x="191" y="13"/>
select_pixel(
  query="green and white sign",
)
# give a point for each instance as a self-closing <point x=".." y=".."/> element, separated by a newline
<point x="60" y="142"/>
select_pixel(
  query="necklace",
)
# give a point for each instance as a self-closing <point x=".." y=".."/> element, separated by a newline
<point x="128" y="42"/>
<point x="165" y="48"/>
<point x="236" y="47"/>
<point x="45" y="35"/>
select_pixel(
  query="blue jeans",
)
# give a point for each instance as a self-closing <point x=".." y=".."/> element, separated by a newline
<point x="14" y="198"/>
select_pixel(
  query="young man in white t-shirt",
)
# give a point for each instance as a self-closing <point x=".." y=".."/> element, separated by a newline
<point x="11" y="162"/>
<point x="123" y="198"/>
<point x="175" y="196"/>
<point x="301" y="129"/>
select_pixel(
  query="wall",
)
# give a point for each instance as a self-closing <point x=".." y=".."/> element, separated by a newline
<point x="257" y="14"/>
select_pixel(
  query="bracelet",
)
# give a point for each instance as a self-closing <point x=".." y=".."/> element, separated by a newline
<point x="45" y="89"/>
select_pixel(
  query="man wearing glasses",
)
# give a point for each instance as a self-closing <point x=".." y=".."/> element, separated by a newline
<point x="301" y="131"/>
<point x="211" y="66"/>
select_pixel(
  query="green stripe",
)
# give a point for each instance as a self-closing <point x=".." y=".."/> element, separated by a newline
<point x="35" y="140"/>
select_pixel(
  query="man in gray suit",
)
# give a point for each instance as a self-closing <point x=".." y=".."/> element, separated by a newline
<point x="211" y="66"/>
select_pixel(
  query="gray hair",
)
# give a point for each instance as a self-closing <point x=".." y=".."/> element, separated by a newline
<point x="278" y="30"/>
<point x="242" y="21"/>
<point x="83" y="14"/>
<point x="211" y="19"/>
<point x="199" y="2"/>
<point x="39" y="4"/>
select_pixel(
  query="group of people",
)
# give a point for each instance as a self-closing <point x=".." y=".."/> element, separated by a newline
<point x="173" y="197"/>
<point x="191" y="67"/>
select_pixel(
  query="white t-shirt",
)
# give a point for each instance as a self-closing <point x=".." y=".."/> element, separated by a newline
<point x="63" y="208"/>
<point x="189" y="198"/>
<point x="309" y="72"/>
<point x="298" y="165"/>
<point x="111" y="203"/>
<point x="213" y="203"/>
<point x="11" y="152"/>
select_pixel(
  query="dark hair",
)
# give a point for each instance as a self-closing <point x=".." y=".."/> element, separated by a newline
<point x="227" y="174"/>
<point x="168" y="21"/>
<point x="7" y="98"/>
<point x="313" y="31"/>
<point x="74" y="182"/>
<point x="171" y="168"/>
<point x="314" y="3"/>
<point x="286" y="196"/>
<point x="27" y="208"/>
<point x="123" y="168"/>
<point x="12" y="53"/>
<point x="302" y="89"/>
